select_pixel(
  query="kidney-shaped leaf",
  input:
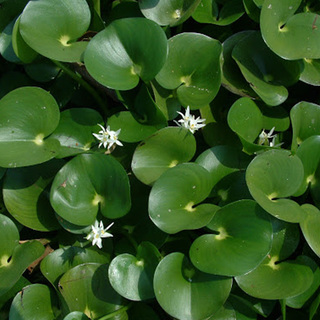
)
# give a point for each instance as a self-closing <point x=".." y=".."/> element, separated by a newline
<point x="195" y="74"/>
<point x="87" y="182"/>
<point x="163" y="150"/>
<point x="132" y="277"/>
<point x="126" y="50"/>
<point x="168" y="12"/>
<point x="27" y="116"/>
<point x="242" y="239"/>
<point x="282" y="30"/>
<point x="86" y="288"/>
<point x="174" y="199"/>
<point x="36" y="301"/>
<point x="187" y="293"/>
<point x="271" y="178"/>
<point x="53" y="27"/>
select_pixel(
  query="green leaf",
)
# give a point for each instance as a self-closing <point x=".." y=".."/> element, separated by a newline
<point x="196" y="75"/>
<point x="86" y="288"/>
<point x="76" y="315"/>
<point x="6" y="48"/>
<point x="128" y="49"/>
<point x="174" y="201"/>
<point x="26" y="195"/>
<point x="87" y="183"/>
<point x="163" y="150"/>
<point x="187" y="293"/>
<point x="208" y="11"/>
<point x="311" y="72"/>
<point x="75" y="129"/>
<point x="282" y="29"/>
<point x="241" y="241"/>
<point x="132" y="277"/>
<point x="168" y="12"/>
<point x="305" y="119"/>
<point x="52" y="28"/>
<point x="54" y="265"/>
<point x="267" y="74"/>
<point x="27" y="116"/>
<point x="35" y="301"/>
<point x="272" y="177"/>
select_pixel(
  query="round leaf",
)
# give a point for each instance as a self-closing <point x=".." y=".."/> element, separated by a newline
<point x="76" y="315"/>
<point x="174" y="199"/>
<point x="27" y="116"/>
<point x="35" y="301"/>
<point x="132" y="277"/>
<point x="25" y="194"/>
<point x="75" y="129"/>
<point x="86" y="288"/>
<point x="163" y="150"/>
<point x="89" y="182"/>
<point x="187" y="293"/>
<point x="168" y="12"/>
<point x="126" y="50"/>
<point x="271" y="178"/>
<point x="196" y="81"/>
<point x="276" y="280"/>
<point x="311" y="72"/>
<point x="53" y="27"/>
<point x="242" y="240"/>
<point x="282" y="30"/>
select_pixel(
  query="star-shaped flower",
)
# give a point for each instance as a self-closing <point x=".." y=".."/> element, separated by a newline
<point x="113" y="138"/>
<point x="264" y="137"/>
<point x="189" y="121"/>
<point x="98" y="232"/>
<point x="107" y="137"/>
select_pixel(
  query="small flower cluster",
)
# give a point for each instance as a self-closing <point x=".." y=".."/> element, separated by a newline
<point x="98" y="232"/>
<point x="108" y="137"/>
<point x="264" y="138"/>
<point x="189" y="121"/>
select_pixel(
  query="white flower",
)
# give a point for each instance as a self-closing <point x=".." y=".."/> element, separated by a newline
<point x="264" y="137"/>
<point x="98" y="232"/>
<point x="107" y="137"/>
<point x="189" y="121"/>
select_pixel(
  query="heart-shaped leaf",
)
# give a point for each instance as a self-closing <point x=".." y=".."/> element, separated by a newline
<point x="36" y="301"/>
<point x="196" y="75"/>
<point x="75" y="129"/>
<point x="272" y="177"/>
<point x="187" y="293"/>
<point x="53" y="27"/>
<point x="89" y="182"/>
<point x="86" y="288"/>
<point x="54" y="265"/>
<point x="132" y="277"/>
<point x="183" y="188"/>
<point x="282" y="29"/>
<point x="127" y="50"/>
<point x="242" y="239"/>
<point x="163" y="150"/>
<point x="25" y="194"/>
<point x="168" y="12"/>
<point x="27" y="116"/>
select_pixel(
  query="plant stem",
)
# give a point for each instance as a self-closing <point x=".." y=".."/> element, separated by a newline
<point x="85" y="85"/>
<point x="97" y="7"/>
<point x="113" y="314"/>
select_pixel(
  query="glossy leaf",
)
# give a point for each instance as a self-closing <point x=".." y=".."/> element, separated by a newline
<point x="61" y="260"/>
<point x="242" y="239"/>
<point x="87" y="183"/>
<point x="168" y="12"/>
<point x="27" y="116"/>
<point x="35" y="301"/>
<point x="75" y="129"/>
<point x="132" y="277"/>
<point x="311" y="72"/>
<point x="76" y="315"/>
<point x="282" y="29"/>
<point x="176" y="280"/>
<point x="52" y="28"/>
<point x="272" y="177"/>
<point x="86" y="288"/>
<point x="127" y="50"/>
<point x="183" y="187"/>
<point x="196" y="81"/>
<point x="163" y="150"/>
